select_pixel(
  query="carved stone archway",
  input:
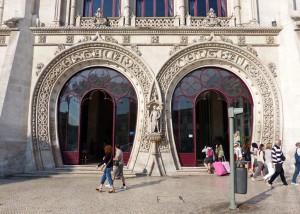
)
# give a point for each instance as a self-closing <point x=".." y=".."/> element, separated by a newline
<point x="259" y="80"/>
<point x="55" y="75"/>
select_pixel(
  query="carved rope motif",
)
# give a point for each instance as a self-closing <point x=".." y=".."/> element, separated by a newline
<point x="40" y="122"/>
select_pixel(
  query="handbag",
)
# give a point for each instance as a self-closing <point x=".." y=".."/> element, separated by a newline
<point x="103" y="166"/>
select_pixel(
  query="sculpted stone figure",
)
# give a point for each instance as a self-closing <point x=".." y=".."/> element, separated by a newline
<point x="154" y="119"/>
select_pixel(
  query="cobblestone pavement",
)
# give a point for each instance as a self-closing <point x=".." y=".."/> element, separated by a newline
<point x="176" y="194"/>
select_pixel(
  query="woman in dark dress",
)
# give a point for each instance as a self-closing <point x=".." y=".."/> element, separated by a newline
<point x="107" y="173"/>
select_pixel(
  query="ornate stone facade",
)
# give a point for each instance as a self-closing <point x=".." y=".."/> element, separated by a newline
<point x="154" y="54"/>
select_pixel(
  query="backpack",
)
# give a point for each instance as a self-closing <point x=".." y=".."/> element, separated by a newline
<point x="263" y="155"/>
<point x="210" y="153"/>
<point x="297" y="157"/>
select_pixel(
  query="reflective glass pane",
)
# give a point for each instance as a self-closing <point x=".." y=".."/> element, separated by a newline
<point x="149" y="6"/>
<point x="201" y="8"/>
<point x="186" y="127"/>
<point x="160" y="8"/>
<point x="192" y="7"/>
<point x="214" y="5"/>
<point x="108" y="8"/>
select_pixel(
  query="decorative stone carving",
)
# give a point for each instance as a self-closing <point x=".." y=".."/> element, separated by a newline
<point x="212" y="37"/>
<point x="87" y="38"/>
<point x="164" y="145"/>
<point x="211" y="19"/>
<point x="226" y="39"/>
<point x="42" y="39"/>
<point x="2" y="39"/>
<point x="270" y="40"/>
<point x="183" y="40"/>
<point x="99" y="20"/>
<point x="70" y="39"/>
<point x="154" y="39"/>
<point x="241" y="40"/>
<point x="251" y="49"/>
<point x="39" y="68"/>
<point x="135" y="48"/>
<point x="272" y="67"/>
<point x="60" y="48"/>
<point x="175" y="48"/>
<point x="110" y="39"/>
<point x="126" y="39"/>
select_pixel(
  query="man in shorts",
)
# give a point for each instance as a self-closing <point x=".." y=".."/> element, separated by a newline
<point x="119" y="164"/>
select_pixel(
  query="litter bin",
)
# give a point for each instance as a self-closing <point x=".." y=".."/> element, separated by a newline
<point x="240" y="177"/>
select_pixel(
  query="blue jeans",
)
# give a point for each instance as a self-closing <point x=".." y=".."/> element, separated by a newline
<point x="107" y="174"/>
<point x="296" y="173"/>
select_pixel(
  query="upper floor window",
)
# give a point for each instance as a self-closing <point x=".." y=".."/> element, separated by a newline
<point x="154" y="8"/>
<point x="201" y="7"/>
<point x="109" y="8"/>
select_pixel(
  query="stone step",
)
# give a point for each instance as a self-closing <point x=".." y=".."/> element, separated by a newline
<point x="91" y="170"/>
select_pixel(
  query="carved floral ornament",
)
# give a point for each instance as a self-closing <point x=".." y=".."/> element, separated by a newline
<point x="232" y="56"/>
<point x="69" y="62"/>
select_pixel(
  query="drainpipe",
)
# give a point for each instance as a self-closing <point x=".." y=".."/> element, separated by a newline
<point x="1" y="11"/>
<point x="182" y="12"/>
<point x="72" y="15"/>
<point x="237" y="11"/>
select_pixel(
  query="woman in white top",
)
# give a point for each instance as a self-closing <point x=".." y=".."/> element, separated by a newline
<point x="268" y="161"/>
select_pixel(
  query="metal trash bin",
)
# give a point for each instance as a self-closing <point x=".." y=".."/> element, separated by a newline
<point x="240" y="177"/>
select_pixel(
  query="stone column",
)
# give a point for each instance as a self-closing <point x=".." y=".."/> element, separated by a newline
<point x="237" y="11"/>
<point x="182" y="12"/>
<point x="72" y="15"/>
<point x="57" y="13"/>
<point x="68" y="8"/>
<point x="127" y="12"/>
<point x="254" y="12"/>
<point x="1" y="11"/>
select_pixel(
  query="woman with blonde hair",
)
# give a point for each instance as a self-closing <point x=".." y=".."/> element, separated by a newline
<point x="268" y="161"/>
<point x="108" y="160"/>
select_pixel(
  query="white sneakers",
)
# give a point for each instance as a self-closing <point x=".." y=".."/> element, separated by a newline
<point x="107" y="186"/>
<point x="123" y="187"/>
<point x="295" y="184"/>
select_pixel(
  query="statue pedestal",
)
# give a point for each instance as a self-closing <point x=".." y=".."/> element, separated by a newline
<point x="156" y="167"/>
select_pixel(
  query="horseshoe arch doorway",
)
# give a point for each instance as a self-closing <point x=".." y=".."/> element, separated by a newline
<point x="97" y="106"/>
<point x="199" y="112"/>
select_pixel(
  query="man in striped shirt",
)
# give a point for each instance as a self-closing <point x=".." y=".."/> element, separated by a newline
<point x="277" y="160"/>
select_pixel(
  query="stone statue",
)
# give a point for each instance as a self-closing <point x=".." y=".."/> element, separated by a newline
<point x="154" y="120"/>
